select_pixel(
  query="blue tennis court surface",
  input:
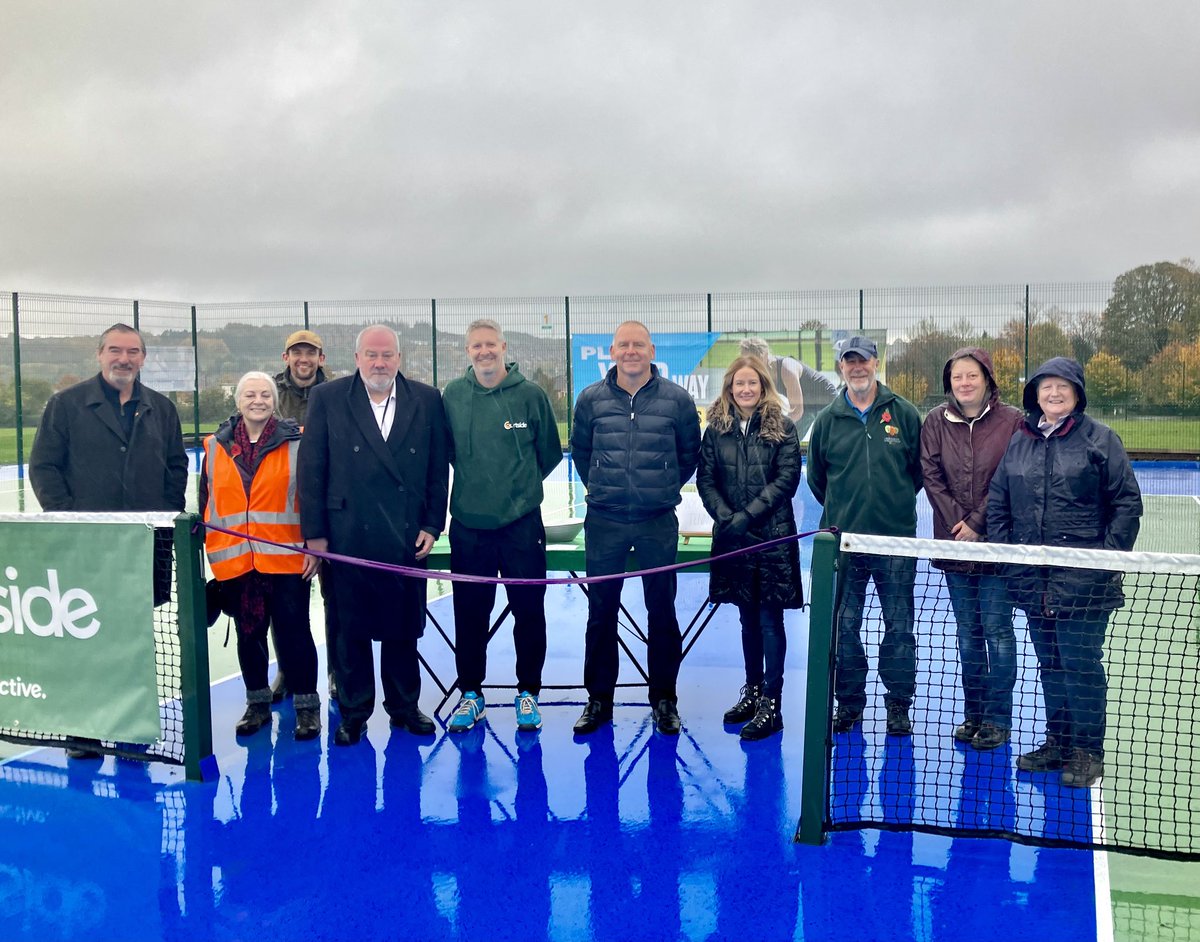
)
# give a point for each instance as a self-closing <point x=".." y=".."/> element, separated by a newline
<point x="623" y="835"/>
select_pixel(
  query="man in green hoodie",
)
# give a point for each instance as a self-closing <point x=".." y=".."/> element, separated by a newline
<point x="504" y="442"/>
<point x="864" y="468"/>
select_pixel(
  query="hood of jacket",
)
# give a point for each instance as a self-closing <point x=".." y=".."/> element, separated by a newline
<point x="1068" y="369"/>
<point x="984" y="359"/>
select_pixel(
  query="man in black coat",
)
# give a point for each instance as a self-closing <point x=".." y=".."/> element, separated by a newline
<point x="111" y="444"/>
<point x="374" y="477"/>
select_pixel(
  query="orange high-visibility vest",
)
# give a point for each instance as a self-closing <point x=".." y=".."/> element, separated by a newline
<point x="272" y="512"/>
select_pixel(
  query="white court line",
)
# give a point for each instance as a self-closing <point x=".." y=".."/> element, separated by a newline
<point x="1103" y="887"/>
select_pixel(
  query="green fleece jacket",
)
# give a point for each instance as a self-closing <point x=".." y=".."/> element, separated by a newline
<point x="504" y="441"/>
<point x="867" y="475"/>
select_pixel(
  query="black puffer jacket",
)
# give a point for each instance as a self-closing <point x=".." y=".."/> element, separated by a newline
<point x="747" y="474"/>
<point x="634" y="453"/>
<point x="1075" y="488"/>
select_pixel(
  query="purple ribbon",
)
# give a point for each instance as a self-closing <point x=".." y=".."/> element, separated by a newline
<point x="423" y="573"/>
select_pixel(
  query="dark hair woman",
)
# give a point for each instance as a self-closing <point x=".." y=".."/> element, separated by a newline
<point x="749" y="472"/>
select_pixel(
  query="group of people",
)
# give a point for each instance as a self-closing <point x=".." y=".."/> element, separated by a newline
<point x="359" y="466"/>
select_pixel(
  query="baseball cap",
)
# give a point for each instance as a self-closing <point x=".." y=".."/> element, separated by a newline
<point x="303" y="336"/>
<point x="862" y="346"/>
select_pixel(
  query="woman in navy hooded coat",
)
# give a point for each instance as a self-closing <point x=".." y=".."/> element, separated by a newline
<point x="1065" y="480"/>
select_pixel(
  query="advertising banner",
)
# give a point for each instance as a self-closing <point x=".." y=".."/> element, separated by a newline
<point x="77" y="630"/>
<point x="680" y="357"/>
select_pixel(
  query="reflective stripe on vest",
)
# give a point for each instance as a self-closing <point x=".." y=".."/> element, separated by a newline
<point x="276" y="516"/>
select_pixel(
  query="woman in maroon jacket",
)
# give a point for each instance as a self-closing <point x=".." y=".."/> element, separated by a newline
<point x="962" y="442"/>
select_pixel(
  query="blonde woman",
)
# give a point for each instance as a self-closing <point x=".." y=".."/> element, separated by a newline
<point x="749" y="473"/>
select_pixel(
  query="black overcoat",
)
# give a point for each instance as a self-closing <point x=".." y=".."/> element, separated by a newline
<point x="745" y="472"/>
<point x="371" y="498"/>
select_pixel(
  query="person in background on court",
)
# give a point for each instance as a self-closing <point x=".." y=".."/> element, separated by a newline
<point x="962" y="441"/>
<point x="504" y="442"/>
<point x="749" y="472"/>
<point x="635" y="443"/>
<point x="1066" y="481"/>
<point x="109" y="444"/>
<point x="804" y="390"/>
<point x="864" y="468"/>
<point x="248" y="484"/>
<point x="304" y="354"/>
<point x="373" y="482"/>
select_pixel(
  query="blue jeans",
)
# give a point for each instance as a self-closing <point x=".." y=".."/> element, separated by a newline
<point x="607" y="546"/>
<point x="987" y="646"/>
<point x="894" y="578"/>
<point x="763" y="642"/>
<point x="1070" y="652"/>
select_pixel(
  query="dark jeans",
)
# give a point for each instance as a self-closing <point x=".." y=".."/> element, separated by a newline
<point x="516" y="551"/>
<point x="607" y="545"/>
<point x="287" y="612"/>
<point x="1070" y="652"/>
<point x="894" y="578"/>
<point x="987" y="646"/>
<point x="763" y="641"/>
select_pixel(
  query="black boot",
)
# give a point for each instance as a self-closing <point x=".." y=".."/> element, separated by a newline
<point x="768" y="720"/>
<point x="746" y="705"/>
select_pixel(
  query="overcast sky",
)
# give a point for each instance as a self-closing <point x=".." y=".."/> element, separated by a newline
<point x="268" y="150"/>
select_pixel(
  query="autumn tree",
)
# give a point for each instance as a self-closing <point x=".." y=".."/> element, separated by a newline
<point x="1172" y="378"/>
<point x="1006" y="371"/>
<point x="1108" y="381"/>
<point x="1150" y="307"/>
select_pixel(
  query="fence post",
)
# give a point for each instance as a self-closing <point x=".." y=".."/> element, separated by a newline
<point x="195" y="381"/>
<point x="433" y="337"/>
<point x="814" y="787"/>
<point x="137" y="318"/>
<point x="306" y="315"/>
<point x="861" y="322"/>
<point x="19" y="413"/>
<point x="709" y="322"/>
<point x="1025" y="372"/>
<point x="570" y="370"/>
<point x="198" y="760"/>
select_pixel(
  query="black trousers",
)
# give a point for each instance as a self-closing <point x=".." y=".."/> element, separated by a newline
<point x="399" y="670"/>
<point x="516" y="551"/>
<point x="287" y="613"/>
<point x="607" y="545"/>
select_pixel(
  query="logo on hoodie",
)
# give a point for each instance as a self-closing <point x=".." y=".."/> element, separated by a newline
<point x="509" y="426"/>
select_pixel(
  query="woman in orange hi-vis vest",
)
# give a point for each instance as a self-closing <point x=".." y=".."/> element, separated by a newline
<point x="248" y="484"/>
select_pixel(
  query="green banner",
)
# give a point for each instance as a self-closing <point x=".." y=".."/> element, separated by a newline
<point x="77" y="630"/>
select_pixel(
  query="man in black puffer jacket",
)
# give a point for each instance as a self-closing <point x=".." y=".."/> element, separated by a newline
<point x="635" y="443"/>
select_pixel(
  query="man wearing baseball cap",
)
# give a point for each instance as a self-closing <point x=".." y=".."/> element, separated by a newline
<point x="304" y="354"/>
<point x="864" y="468"/>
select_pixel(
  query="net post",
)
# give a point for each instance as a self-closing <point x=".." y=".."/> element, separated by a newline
<point x="199" y="762"/>
<point x="819" y="692"/>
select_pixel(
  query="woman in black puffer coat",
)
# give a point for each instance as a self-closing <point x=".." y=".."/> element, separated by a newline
<point x="749" y="472"/>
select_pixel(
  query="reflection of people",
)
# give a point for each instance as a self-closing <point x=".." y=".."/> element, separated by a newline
<point x="248" y="484"/>
<point x="373" y="482"/>
<point x="1065" y="480"/>
<point x="962" y="441"/>
<point x="749" y="472"/>
<point x="635" y="443"/>
<point x="110" y="443"/>
<point x="864" y="468"/>
<point x="504" y="443"/>
<point x="805" y="390"/>
<point x="304" y="356"/>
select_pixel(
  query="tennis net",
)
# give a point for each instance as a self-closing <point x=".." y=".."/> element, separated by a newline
<point x="1139" y="790"/>
<point x="102" y="646"/>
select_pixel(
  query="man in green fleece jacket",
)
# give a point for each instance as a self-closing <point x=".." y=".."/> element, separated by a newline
<point x="864" y="468"/>
<point x="504" y="443"/>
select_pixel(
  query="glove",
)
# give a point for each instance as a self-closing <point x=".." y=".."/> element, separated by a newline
<point x="739" y="523"/>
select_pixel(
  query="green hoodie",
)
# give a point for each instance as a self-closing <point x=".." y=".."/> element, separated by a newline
<point x="867" y="475"/>
<point x="504" y="441"/>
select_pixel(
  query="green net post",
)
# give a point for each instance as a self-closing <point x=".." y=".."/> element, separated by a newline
<point x="819" y="695"/>
<point x="198" y="759"/>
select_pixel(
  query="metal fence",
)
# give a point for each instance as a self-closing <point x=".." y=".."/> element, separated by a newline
<point x="48" y="341"/>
